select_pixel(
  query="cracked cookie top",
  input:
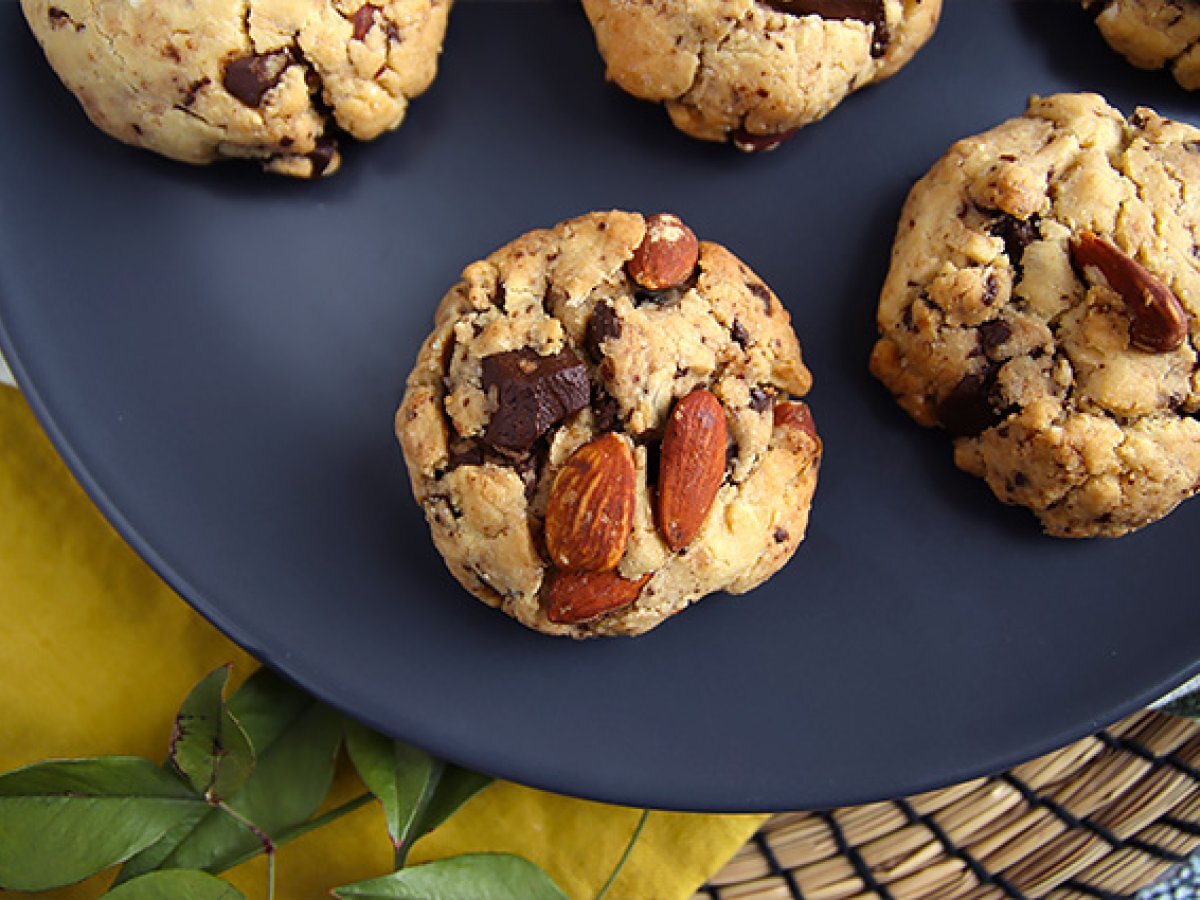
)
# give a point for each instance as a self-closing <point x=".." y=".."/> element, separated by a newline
<point x="602" y="426"/>
<point x="753" y="71"/>
<point x="273" y="80"/>
<point x="1153" y="34"/>
<point x="1041" y="307"/>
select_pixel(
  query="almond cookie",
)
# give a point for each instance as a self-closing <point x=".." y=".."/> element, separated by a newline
<point x="754" y="71"/>
<point x="272" y="80"/>
<point x="602" y="426"/>
<point x="1153" y="34"/>
<point x="1041" y="307"/>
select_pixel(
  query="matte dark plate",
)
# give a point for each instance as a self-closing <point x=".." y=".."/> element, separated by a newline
<point x="218" y="354"/>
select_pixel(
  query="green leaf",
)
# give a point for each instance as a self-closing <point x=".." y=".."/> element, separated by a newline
<point x="64" y="820"/>
<point x="1187" y="706"/>
<point x="401" y="777"/>
<point x="497" y="876"/>
<point x="295" y="740"/>
<point x="457" y="786"/>
<point x="177" y="884"/>
<point x="417" y="792"/>
<point x="208" y="745"/>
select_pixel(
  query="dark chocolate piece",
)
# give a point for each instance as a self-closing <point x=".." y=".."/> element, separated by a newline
<point x="533" y="393"/>
<point x="869" y="11"/>
<point x="602" y="326"/>
<point x="993" y="334"/>
<point x="969" y="409"/>
<point x="363" y="20"/>
<point x="1017" y="234"/>
<point x="249" y="78"/>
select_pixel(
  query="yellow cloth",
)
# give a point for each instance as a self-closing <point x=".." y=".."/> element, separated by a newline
<point x="97" y="654"/>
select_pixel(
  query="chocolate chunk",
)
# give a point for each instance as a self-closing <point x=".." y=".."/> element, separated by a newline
<point x="602" y="326"/>
<point x="606" y="410"/>
<point x="862" y="10"/>
<point x="465" y="453"/>
<point x="749" y="142"/>
<point x="322" y="155"/>
<point x="740" y="335"/>
<point x="993" y="334"/>
<point x="642" y="296"/>
<point x="781" y="535"/>
<point x="760" y="400"/>
<point x="762" y="292"/>
<point x="249" y="78"/>
<point x="533" y="393"/>
<point x="1017" y="234"/>
<point x="869" y="11"/>
<point x="969" y="409"/>
<point x="363" y="20"/>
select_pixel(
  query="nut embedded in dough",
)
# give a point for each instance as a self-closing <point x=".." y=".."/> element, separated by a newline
<point x="655" y="468"/>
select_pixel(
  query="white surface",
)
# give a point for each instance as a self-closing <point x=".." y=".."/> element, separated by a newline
<point x="5" y="375"/>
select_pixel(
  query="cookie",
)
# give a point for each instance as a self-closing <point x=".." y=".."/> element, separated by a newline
<point x="1153" y="34"/>
<point x="1041" y="305"/>
<point x="272" y="80"/>
<point x="754" y="71"/>
<point x="602" y="427"/>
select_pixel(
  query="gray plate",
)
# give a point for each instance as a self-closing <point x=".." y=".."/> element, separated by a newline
<point x="217" y="355"/>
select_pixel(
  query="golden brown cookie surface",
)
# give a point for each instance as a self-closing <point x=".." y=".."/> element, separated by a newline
<point x="1041" y="306"/>
<point x="592" y="455"/>
<point x="753" y="72"/>
<point x="1153" y="34"/>
<point x="260" y="79"/>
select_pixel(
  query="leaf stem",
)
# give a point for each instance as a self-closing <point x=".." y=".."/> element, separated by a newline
<point x="291" y="834"/>
<point x="268" y="845"/>
<point x="637" y="833"/>
<point x="270" y="876"/>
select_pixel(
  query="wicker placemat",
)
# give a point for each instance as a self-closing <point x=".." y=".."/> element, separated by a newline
<point x="1103" y="817"/>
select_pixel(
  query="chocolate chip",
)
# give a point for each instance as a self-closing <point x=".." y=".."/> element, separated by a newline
<point x="969" y="410"/>
<point x="533" y="393"/>
<point x="993" y="334"/>
<point x="249" y="78"/>
<point x="760" y="400"/>
<point x="868" y="11"/>
<point x="465" y="453"/>
<point x="606" y="410"/>
<point x="731" y="453"/>
<point x="1017" y="234"/>
<point x="322" y="155"/>
<point x="749" y="142"/>
<point x="642" y="296"/>
<point x="363" y="20"/>
<point x="740" y="335"/>
<point x="602" y="326"/>
<point x="781" y="535"/>
<point x="762" y="292"/>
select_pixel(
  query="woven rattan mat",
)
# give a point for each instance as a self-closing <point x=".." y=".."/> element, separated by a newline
<point x="1103" y="818"/>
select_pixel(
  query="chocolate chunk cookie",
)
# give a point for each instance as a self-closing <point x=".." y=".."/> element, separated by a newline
<point x="1153" y="34"/>
<point x="603" y="426"/>
<point x="754" y="71"/>
<point x="273" y="80"/>
<point x="1041" y="307"/>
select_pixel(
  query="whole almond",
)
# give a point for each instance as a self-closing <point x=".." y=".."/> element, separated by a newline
<point x="573" y="597"/>
<point x="795" y="414"/>
<point x="590" y="510"/>
<point x="1158" y="323"/>
<point x="667" y="255"/>
<point x="691" y="467"/>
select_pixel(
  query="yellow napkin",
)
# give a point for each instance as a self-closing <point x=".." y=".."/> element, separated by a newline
<point x="98" y="653"/>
